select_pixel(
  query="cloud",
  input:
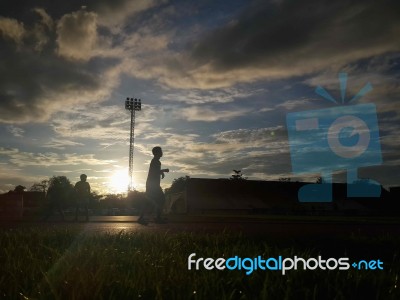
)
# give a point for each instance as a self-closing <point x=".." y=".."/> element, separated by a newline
<point x="261" y="136"/>
<point x="61" y="62"/>
<point x="33" y="89"/>
<point x="10" y="178"/>
<point x="47" y="20"/>
<point x="208" y="114"/>
<point x="81" y="59"/>
<point x="74" y="60"/>
<point x="60" y="144"/>
<point x="260" y="153"/>
<point x="270" y="40"/>
<point x="256" y="149"/>
<point x="115" y="13"/>
<point x="38" y="82"/>
<point x="385" y="84"/>
<point x="49" y="159"/>
<point x="295" y="38"/>
<point x="41" y="30"/>
<point x="93" y="122"/>
<point x="224" y="95"/>
<point x="295" y="104"/>
<point x="12" y="29"/>
<point x="109" y="126"/>
<point x="15" y="131"/>
<point x="242" y="144"/>
<point x="77" y="35"/>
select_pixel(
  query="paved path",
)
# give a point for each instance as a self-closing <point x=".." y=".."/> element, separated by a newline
<point x="254" y="226"/>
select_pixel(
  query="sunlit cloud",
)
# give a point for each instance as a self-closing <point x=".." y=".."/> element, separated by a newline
<point x="208" y="114"/>
<point x="60" y="144"/>
<point x="114" y="14"/>
<point x="12" y="29"/>
<point x="77" y="35"/>
<point x="48" y="159"/>
<point x="197" y="96"/>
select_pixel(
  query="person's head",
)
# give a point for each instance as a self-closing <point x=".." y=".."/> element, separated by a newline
<point x="83" y="177"/>
<point x="157" y="151"/>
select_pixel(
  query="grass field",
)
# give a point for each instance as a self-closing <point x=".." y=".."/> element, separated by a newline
<point x="286" y="218"/>
<point x="66" y="263"/>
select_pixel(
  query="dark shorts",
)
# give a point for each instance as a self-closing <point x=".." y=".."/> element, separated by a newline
<point x="82" y="201"/>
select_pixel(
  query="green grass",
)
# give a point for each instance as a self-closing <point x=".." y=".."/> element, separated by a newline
<point x="66" y="263"/>
<point x="286" y="218"/>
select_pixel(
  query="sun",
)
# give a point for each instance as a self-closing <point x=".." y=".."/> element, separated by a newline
<point x="118" y="182"/>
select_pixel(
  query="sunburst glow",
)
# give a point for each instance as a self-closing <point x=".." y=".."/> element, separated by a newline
<point x="118" y="182"/>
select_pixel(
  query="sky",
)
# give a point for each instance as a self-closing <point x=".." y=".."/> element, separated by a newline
<point x="216" y="79"/>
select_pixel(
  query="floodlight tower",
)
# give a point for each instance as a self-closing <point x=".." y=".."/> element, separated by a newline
<point x="132" y="105"/>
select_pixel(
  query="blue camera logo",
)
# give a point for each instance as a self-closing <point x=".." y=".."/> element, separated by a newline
<point x="337" y="138"/>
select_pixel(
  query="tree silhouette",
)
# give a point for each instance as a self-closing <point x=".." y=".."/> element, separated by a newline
<point x="136" y="199"/>
<point x="178" y="185"/>
<point x="40" y="186"/>
<point x="284" y="179"/>
<point x="19" y="189"/>
<point x="238" y="175"/>
<point x="60" y="189"/>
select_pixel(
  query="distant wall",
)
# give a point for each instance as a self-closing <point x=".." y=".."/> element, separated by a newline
<point x="224" y="194"/>
<point x="33" y="202"/>
<point x="16" y="205"/>
<point x="11" y="206"/>
<point x="204" y="195"/>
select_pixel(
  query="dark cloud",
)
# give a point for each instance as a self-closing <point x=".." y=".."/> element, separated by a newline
<point x="311" y="33"/>
<point x="21" y="9"/>
<point x="52" y="57"/>
<point x="33" y="86"/>
<point x="36" y="80"/>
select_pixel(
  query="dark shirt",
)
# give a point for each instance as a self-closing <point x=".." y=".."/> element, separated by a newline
<point x="154" y="176"/>
<point x="82" y="188"/>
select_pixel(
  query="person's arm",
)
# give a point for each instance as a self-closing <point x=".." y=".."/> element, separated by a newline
<point x="162" y="172"/>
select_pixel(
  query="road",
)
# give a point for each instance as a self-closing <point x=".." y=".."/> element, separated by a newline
<point x="281" y="228"/>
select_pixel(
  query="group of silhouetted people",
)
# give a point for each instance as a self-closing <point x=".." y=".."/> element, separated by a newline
<point x="154" y="203"/>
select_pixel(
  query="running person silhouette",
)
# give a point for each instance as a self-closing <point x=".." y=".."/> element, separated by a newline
<point x="154" y="193"/>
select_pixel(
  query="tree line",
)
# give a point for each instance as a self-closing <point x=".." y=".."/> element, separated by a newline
<point x="64" y="189"/>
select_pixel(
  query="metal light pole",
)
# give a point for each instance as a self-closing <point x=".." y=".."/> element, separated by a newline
<point x="132" y="105"/>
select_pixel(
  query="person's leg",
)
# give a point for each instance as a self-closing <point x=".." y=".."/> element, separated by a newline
<point x="153" y="202"/>
<point x="142" y="214"/>
<point x="47" y="212"/>
<point x="59" y="208"/>
<point x="160" y="205"/>
<point x="76" y="210"/>
<point x="87" y="210"/>
<point x="159" y="209"/>
<point x="143" y="207"/>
